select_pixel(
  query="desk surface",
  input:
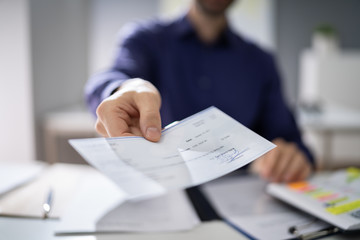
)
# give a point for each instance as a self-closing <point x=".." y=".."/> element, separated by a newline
<point x="12" y="228"/>
<point x="44" y="230"/>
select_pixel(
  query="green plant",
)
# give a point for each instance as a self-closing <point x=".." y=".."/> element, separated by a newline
<point x="326" y="30"/>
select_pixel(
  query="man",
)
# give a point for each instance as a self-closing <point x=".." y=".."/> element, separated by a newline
<point x="195" y="62"/>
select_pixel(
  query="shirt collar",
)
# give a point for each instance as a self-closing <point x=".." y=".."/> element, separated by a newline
<point x="184" y="29"/>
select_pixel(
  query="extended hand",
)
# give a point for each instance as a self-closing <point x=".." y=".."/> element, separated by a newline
<point x="134" y="109"/>
<point x="285" y="163"/>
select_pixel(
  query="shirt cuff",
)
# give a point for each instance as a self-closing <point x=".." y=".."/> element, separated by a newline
<point x="109" y="89"/>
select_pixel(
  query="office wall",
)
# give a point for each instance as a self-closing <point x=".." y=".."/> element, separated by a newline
<point x="71" y="39"/>
<point x="59" y="57"/>
<point x="106" y="17"/>
<point x="295" y="22"/>
<point x="254" y="19"/>
<point x="16" y="116"/>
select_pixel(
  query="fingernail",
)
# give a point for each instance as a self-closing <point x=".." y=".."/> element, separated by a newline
<point x="152" y="133"/>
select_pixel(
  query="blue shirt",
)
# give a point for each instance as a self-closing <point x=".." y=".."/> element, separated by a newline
<point x="232" y="74"/>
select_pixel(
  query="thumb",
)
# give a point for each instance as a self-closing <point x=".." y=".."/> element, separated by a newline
<point x="150" y="124"/>
<point x="150" y="121"/>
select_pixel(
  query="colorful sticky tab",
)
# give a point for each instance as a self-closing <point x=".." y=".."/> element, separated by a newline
<point x="328" y="197"/>
<point x="338" y="200"/>
<point x="352" y="174"/>
<point x="321" y="194"/>
<point x="347" y="207"/>
<point x="301" y="186"/>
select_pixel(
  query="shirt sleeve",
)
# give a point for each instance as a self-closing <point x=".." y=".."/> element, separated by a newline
<point x="276" y="118"/>
<point x="132" y="60"/>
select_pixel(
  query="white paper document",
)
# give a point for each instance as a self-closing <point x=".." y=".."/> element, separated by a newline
<point x="243" y="202"/>
<point x="99" y="206"/>
<point x="63" y="179"/>
<point x="13" y="175"/>
<point x="200" y="148"/>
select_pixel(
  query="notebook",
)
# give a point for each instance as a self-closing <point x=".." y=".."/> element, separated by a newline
<point x="333" y="197"/>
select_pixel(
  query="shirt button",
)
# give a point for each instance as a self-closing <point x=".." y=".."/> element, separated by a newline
<point x="204" y="83"/>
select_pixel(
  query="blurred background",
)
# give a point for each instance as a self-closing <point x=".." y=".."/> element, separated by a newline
<point x="49" y="48"/>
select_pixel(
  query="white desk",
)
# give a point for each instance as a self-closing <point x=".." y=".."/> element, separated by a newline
<point x="65" y="180"/>
<point x="13" y="228"/>
<point x="17" y="228"/>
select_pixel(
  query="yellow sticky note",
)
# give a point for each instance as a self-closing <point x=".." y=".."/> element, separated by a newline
<point x="347" y="207"/>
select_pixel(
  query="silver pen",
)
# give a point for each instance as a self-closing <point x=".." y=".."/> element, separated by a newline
<point x="47" y="205"/>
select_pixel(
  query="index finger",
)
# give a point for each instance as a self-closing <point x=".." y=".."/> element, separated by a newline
<point x="115" y="120"/>
<point x="115" y="125"/>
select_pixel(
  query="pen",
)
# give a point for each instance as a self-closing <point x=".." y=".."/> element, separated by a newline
<point x="48" y="204"/>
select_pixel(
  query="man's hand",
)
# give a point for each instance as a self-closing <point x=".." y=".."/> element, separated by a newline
<point x="134" y="109"/>
<point x="285" y="163"/>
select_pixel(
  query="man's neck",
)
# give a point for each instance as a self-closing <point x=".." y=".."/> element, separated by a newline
<point x="208" y="27"/>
